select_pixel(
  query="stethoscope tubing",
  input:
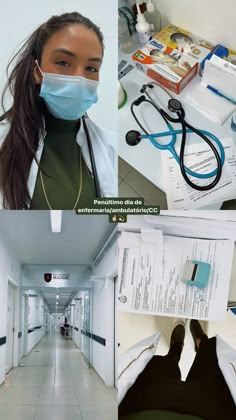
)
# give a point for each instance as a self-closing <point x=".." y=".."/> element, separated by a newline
<point x="181" y="157"/>
<point x="93" y="165"/>
<point x="170" y="146"/>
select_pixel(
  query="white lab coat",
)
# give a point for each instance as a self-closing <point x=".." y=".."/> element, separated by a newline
<point x="226" y="356"/>
<point x="104" y="144"/>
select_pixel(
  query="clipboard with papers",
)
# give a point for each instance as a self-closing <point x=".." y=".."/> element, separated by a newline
<point x="151" y="263"/>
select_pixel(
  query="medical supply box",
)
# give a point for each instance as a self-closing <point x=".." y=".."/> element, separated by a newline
<point x="172" y="57"/>
<point x="222" y="52"/>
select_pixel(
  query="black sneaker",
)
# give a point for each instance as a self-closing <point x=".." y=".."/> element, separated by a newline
<point x="177" y="339"/>
<point x="196" y="331"/>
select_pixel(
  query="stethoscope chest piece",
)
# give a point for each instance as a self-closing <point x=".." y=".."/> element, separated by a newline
<point x="133" y="138"/>
<point x="174" y="105"/>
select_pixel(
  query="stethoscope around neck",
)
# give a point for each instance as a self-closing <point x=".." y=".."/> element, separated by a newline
<point x="92" y="159"/>
<point x="134" y="137"/>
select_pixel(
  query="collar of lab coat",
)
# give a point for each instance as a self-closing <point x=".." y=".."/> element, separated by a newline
<point x="226" y="356"/>
<point x="104" y="144"/>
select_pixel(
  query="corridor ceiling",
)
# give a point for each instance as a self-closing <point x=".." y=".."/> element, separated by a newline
<point x="50" y="297"/>
<point x="28" y="233"/>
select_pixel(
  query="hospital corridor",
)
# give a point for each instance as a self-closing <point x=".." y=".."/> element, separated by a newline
<point x="58" y="335"/>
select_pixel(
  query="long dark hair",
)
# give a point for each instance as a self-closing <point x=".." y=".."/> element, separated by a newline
<point x="26" y="113"/>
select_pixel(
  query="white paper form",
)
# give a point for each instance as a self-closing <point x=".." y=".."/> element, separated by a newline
<point x="199" y="158"/>
<point x="174" y="194"/>
<point x="139" y="259"/>
<point x="150" y="278"/>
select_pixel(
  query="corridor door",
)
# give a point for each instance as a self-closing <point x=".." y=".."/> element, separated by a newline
<point x="86" y="342"/>
<point x="10" y="328"/>
<point x="116" y="344"/>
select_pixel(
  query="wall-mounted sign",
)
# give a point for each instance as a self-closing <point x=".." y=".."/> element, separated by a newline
<point x="60" y="276"/>
<point x="47" y="277"/>
<point x="55" y="276"/>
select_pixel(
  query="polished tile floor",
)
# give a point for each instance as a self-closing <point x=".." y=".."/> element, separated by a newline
<point x="133" y="184"/>
<point x="56" y="384"/>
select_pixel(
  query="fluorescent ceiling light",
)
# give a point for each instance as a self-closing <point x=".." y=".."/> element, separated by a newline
<point x="55" y="216"/>
<point x="57" y="296"/>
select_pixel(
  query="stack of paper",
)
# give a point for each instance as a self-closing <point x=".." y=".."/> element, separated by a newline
<point x="196" y="224"/>
<point x="150" y="267"/>
<point x="212" y="106"/>
<point x="219" y="75"/>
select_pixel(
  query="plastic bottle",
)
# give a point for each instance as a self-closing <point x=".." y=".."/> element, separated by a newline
<point x="153" y="17"/>
<point x="125" y="41"/>
<point x="127" y="12"/>
<point x="142" y="28"/>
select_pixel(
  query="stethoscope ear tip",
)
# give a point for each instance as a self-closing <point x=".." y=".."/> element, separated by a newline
<point x="144" y="87"/>
<point x="133" y="138"/>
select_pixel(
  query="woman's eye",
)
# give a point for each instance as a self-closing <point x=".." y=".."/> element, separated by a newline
<point x="92" y="69"/>
<point x="63" y="63"/>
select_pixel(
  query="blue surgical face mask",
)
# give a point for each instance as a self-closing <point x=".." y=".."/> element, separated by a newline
<point x="68" y="97"/>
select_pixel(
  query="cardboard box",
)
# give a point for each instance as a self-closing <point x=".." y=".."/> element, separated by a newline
<point x="185" y="42"/>
<point x="166" y="65"/>
<point x="172" y="57"/>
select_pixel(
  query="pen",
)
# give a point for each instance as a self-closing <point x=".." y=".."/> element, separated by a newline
<point x="221" y="94"/>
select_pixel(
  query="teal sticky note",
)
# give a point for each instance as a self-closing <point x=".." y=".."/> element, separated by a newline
<point x="196" y="273"/>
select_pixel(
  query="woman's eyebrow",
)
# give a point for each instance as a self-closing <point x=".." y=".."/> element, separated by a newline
<point x="95" y="59"/>
<point x="71" y="54"/>
<point x="64" y="51"/>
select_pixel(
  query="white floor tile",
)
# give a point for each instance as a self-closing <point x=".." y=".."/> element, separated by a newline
<point x="19" y="395"/>
<point x="95" y="396"/>
<point x="17" y="412"/>
<point x="57" y="396"/>
<point x="55" y="385"/>
<point x="57" y="413"/>
<point x="99" y="413"/>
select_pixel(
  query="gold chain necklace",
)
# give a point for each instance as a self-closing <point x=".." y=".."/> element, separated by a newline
<point x="80" y="187"/>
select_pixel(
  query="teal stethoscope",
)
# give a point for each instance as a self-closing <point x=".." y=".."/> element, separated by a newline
<point x="133" y="137"/>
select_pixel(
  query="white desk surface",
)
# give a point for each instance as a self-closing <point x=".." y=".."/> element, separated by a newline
<point x="144" y="157"/>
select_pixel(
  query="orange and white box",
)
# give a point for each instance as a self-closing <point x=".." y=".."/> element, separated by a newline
<point x="167" y="66"/>
<point x="172" y="57"/>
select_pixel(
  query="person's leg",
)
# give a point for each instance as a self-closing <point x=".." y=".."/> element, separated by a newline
<point x="205" y="381"/>
<point x="167" y="366"/>
<point x="205" y="361"/>
<point x="161" y="368"/>
<point x="160" y="381"/>
<point x="205" y="364"/>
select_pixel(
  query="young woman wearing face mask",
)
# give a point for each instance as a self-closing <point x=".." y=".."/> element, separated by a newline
<point x="52" y="155"/>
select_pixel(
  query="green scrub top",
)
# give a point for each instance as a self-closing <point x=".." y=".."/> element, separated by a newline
<point x="60" y="162"/>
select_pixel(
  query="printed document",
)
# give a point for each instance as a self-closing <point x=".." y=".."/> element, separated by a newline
<point x="150" y="276"/>
<point x="199" y="158"/>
